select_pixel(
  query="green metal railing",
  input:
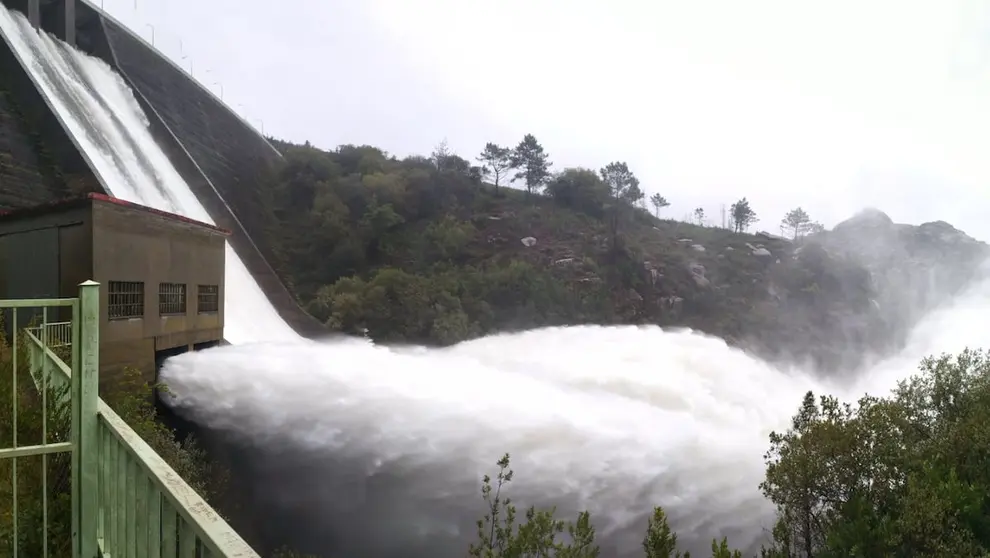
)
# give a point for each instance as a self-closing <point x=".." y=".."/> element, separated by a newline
<point x="55" y="334"/>
<point x="21" y="451"/>
<point x="126" y="500"/>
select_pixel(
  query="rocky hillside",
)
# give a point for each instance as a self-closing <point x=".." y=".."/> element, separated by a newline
<point x="425" y="250"/>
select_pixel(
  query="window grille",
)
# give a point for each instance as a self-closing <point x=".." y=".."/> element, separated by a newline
<point x="171" y="298"/>
<point x="208" y="299"/>
<point x="125" y="300"/>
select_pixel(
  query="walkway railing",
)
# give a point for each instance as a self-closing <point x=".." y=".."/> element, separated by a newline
<point x="126" y="500"/>
<point x="55" y="334"/>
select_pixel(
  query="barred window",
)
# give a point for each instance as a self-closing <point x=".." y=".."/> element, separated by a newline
<point x="126" y="300"/>
<point x="171" y="298"/>
<point x="208" y="299"/>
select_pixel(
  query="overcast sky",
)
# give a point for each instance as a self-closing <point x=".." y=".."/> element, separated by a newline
<point x="832" y="106"/>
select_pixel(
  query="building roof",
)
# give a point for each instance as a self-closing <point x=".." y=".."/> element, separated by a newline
<point x="79" y="201"/>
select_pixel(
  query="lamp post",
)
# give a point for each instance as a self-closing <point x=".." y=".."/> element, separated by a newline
<point x="152" y="27"/>
<point x="221" y="88"/>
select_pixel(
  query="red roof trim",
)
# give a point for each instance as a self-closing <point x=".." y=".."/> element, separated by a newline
<point x="41" y="208"/>
<point x="166" y="214"/>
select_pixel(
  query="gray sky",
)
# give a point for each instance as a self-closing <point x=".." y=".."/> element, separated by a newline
<point x="831" y="106"/>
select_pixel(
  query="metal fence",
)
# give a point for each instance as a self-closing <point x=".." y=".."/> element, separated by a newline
<point x="17" y="457"/>
<point x="55" y="335"/>
<point x="125" y="499"/>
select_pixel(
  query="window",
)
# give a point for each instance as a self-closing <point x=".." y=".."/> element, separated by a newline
<point x="126" y="300"/>
<point x="208" y="299"/>
<point x="171" y="298"/>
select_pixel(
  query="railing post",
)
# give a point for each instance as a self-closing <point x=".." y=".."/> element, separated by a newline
<point x="85" y="394"/>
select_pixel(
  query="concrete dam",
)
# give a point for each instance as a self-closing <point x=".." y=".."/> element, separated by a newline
<point x="48" y="137"/>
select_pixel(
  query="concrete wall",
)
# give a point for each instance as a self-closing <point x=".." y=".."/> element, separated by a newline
<point x="133" y="245"/>
<point x="38" y="162"/>
<point x="22" y="181"/>
<point x="34" y="255"/>
<point x="47" y="253"/>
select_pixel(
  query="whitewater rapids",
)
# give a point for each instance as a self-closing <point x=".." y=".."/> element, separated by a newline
<point x="375" y="451"/>
<point x="609" y="419"/>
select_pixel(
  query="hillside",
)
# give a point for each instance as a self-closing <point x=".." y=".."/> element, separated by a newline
<point x="424" y="250"/>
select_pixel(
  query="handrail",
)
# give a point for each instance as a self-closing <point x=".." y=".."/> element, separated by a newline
<point x="60" y="365"/>
<point x="121" y="501"/>
<point x="59" y="333"/>
<point x="207" y="526"/>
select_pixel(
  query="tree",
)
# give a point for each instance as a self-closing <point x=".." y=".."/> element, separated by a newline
<point x="742" y="215"/>
<point x="496" y="162"/>
<point x="499" y="536"/>
<point x="903" y="475"/>
<point x="440" y="154"/>
<point x="659" y="202"/>
<point x="623" y="187"/>
<point x="542" y="535"/>
<point x="796" y="221"/>
<point x="533" y="163"/>
<point x="660" y="541"/>
<point x="699" y="216"/>
<point x="815" y="227"/>
<point x="580" y="189"/>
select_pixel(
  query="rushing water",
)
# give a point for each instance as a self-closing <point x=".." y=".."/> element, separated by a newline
<point x="611" y="419"/>
<point x="379" y="451"/>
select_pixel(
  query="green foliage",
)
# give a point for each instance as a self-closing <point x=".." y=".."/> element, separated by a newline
<point x="742" y="215"/>
<point x="346" y="221"/>
<point x="894" y="476"/>
<point x="624" y="192"/>
<point x="496" y="162"/>
<point x="541" y="534"/>
<point x="580" y="189"/>
<point x="797" y="222"/>
<point x="658" y="202"/>
<point x="52" y="472"/>
<point x="450" y="304"/>
<point x="903" y="475"/>
<point x="533" y="163"/>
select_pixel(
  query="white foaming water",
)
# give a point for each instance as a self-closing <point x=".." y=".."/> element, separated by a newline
<point x="107" y="123"/>
<point x="612" y="419"/>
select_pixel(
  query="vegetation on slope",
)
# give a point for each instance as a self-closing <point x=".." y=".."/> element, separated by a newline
<point x="437" y="250"/>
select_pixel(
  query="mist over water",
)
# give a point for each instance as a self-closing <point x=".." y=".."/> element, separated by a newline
<point x="384" y="447"/>
<point x="378" y="451"/>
